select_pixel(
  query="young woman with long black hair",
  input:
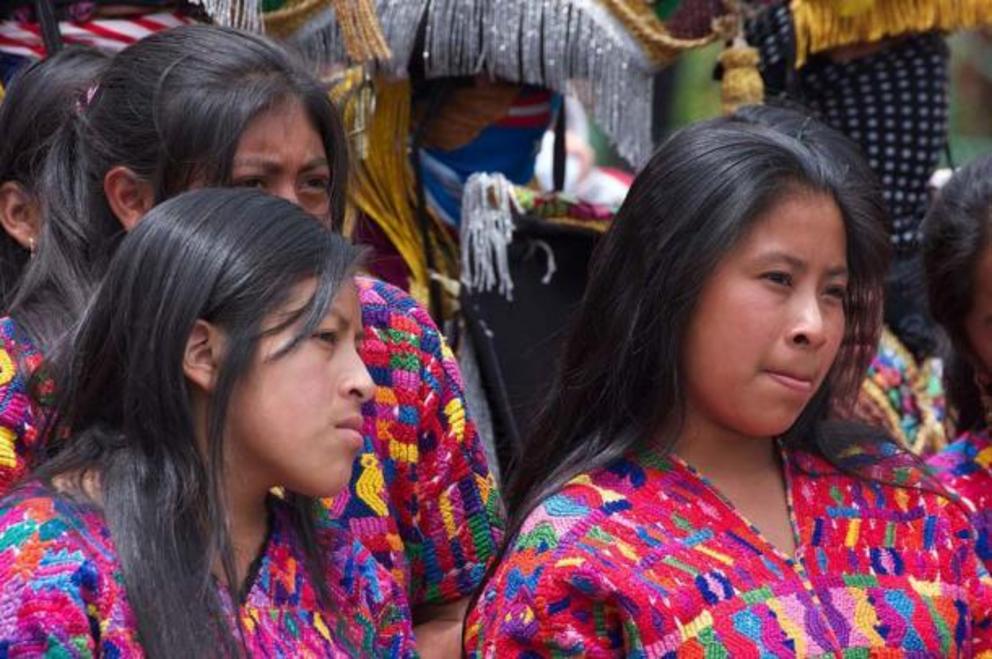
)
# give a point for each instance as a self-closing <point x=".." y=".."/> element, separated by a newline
<point x="38" y="100"/>
<point x="686" y="491"/>
<point x="199" y="106"/>
<point x="217" y="360"/>
<point x="957" y="250"/>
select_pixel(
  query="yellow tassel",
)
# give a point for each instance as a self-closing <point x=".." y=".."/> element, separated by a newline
<point x="363" y="39"/>
<point x="383" y="183"/>
<point x="742" y="84"/>
<point x="2" y="92"/>
<point x="825" y="24"/>
<point x="853" y="7"/>
<point x="360" y="29"/>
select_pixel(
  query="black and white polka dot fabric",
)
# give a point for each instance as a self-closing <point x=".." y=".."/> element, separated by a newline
<point x="894" y="103"/>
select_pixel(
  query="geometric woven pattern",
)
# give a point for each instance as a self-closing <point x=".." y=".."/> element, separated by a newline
<point x="646" y="558"/>
<point x="19" y="421"/>
<point x="964" y="467"/>
<point x="62" y="592"/>
<point x="422" y="498"/>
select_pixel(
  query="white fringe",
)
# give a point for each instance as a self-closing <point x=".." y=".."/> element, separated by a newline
<point x="486" y="231"/>
<point x="541" y="42"/>
<point x="241" y="14"/>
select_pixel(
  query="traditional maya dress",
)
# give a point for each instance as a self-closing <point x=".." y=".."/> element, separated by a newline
<point x="62" y="592"/>
<point x="645" y="558"/>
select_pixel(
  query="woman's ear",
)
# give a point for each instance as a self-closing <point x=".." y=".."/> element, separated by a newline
<point x="203" y="355"/>
<point x="128" y="195"/>
<point x="19" y="214"/>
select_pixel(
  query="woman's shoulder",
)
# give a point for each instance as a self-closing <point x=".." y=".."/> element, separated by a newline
<point x="965" y="468"/>
<point x="48" y="523"/>
<point x="387" y="307"/>
<point x="604" y="505"/>
<point x="881" y="482"/>
<point x="970" y="453"/>
<point x="59" y="578"/>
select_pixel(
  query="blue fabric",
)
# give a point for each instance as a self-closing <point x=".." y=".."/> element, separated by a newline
<point x="508" y="150"/>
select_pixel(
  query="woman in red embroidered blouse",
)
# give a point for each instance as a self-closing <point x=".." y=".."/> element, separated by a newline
<point x="685" y="493"/>
<point x="957" y="249"/>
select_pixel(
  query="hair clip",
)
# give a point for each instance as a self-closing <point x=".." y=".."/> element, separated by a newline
<point x="86" y="98"/>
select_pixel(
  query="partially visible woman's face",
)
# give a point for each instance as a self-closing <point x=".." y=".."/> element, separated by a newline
<point x="282" y="153"/>
<point x="978" y="321"/>
<point x="769" y="321"/>
<point x="296" y="419"/>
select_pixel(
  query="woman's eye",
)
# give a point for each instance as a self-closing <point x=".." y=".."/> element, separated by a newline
<point x="330" y="338"/>
<point x="317" y="183"/>
<point x="780" y="278"/>
<point x="250" y="183"/>
<point x="839" y="292"/>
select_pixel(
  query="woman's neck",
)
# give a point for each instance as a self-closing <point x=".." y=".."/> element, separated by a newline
<point x="720" y="453"/>
<point x="247" y="523"/>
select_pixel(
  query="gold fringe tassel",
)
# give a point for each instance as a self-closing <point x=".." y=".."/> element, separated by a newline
<point x="825" y="24"/>
<point x="363" y="40"/>
<point x="2" y="92"/>
<point x="742" y="83"/>
<point x="360" y="29"/>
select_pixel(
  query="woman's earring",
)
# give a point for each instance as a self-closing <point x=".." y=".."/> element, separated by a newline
<point x="31" y="246"/>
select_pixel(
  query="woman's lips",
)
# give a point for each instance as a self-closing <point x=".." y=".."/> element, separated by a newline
<point x="351" y="429"/>
<point x="797" y="383"/>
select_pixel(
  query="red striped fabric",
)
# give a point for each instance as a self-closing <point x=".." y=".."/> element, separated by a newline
<point x="107" y="34"/>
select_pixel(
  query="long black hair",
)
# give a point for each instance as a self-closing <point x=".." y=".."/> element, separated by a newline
<point x="619" y="381"/>
<point x="956" y="232"/>
<point x="171" y="108"/>
<point x="230" y="257"/>
<point x="37" y="102"/>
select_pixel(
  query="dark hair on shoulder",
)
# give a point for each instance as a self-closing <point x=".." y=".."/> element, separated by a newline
<point x="171" y="108"/>
<point x="36" y="103"/>
<point x="956" y="232"/>
<point x="230" y="257"/>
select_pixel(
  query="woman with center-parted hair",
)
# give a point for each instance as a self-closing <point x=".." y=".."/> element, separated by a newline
<point x="217" y="360"/>
<point x="688" y="491"/>
<point x="208" y="106"/>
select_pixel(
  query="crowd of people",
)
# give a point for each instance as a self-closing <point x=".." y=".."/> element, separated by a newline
<point x="218" y="437"/>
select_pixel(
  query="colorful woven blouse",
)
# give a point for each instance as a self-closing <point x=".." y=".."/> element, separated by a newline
<point x="964" y="467"/>
<point x="646" y="558"/>
<point x="62" y="594"/>
<point x="19" y="420"/>
<point x="903" y="397"/>
<point x="421" y="498"/>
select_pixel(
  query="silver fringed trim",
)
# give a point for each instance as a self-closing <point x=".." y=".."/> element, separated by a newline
<point x="549" y="43"/>
<point x="486" y="231"/>
<point x="242" y="14"/>
<point x="321" y="39"/>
